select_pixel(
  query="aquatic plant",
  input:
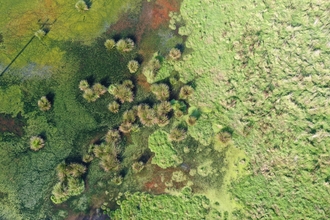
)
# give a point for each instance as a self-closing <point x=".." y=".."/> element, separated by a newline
<point x="36" y="143"/>
<point x="44" y="104"/>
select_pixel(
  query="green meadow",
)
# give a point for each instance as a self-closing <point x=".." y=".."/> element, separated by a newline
<point x="160" y="109"/>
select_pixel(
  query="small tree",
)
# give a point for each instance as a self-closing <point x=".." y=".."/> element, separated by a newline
<point x="133" y="66"/>
<point x="81" y="6"/>
<point x="44" y="104"/>
<point x="40" y="34"/>
<point x="177" y="134"/>
<point x="125" y="45"/>
<point x="174" y="54"/>
<point x="99" y="89"/>
<point x="185" y="92"/>
<point x="90" y="95"/>
<point x="114" y="107"/>
<point x="161" y="91"/>
<point x="36" y="143"/>
<point x="113" y="136"/>
<point x="109" y="44"/>
<point x="83" y="85"/>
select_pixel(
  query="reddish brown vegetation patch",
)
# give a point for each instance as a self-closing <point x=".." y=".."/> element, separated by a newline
<point x="142" y="81"/>
<point x="161" y="10"/>
<point x="8" y="124"/>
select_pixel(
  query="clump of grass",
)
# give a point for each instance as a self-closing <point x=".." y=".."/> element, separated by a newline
<point x="36" y="143"/>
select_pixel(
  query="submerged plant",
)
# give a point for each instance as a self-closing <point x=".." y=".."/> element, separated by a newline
<point x="36" y="143"/>
<point x="133" y="66"/>
<point x="44" y="104"/>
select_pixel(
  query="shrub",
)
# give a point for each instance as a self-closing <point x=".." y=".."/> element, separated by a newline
<point x="191" y="120"/>
<point x="133" y="66"/>
<point x="109" y="44"/>
<point x="44" y="104"/>
<point x="36" y="143"/>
